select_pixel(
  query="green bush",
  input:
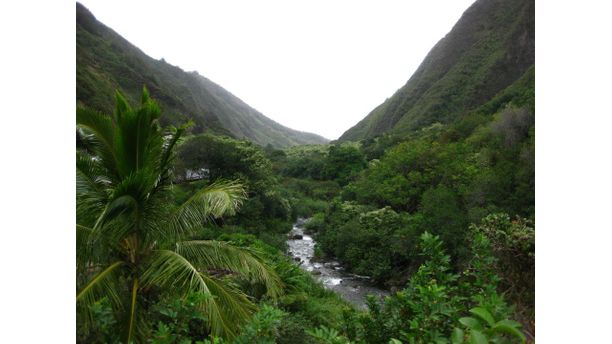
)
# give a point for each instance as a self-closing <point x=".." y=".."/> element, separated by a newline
<point x="316" y="222"/>
<point x="483" y="328"/>
<point x="431" y="305"/>
<point x="513" y="244"/>
<point x="263" y="327"/>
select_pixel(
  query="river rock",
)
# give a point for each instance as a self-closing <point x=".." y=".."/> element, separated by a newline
<point x="296" y="237"/>
<point x="316" y="272"/>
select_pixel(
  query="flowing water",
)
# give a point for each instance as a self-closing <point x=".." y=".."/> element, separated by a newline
<point x="351" y="287"/>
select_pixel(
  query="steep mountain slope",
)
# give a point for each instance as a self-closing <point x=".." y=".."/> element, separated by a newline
<point x="489" y="48"/>
<point x="106" y="62"/>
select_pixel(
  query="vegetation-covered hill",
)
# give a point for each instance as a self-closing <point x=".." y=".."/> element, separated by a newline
<point x="489" y="48"/>
<point x="106" y="62"/>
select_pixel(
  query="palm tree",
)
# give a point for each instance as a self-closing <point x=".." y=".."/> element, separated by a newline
<point x="133" y="239"/>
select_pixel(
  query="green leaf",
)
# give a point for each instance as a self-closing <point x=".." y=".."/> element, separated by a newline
<point x="457" y="336"/>
<point x="504" y="326"/>
<point x="477" y="337"/>
<point x="98" y="278"/>
<point x="471" y="323"/>
<point x="483" y="314"/>
<point x="509" y="322"/>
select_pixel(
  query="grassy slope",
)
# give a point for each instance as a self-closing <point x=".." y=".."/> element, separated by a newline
<point x="106" y="61"/>
<point x="490" y="47"/>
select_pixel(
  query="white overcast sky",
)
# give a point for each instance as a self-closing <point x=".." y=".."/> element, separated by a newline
<point x="317" y="66"/>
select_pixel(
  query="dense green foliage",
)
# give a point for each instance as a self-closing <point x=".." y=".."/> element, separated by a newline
<point x="513" y="243"/>
<point x="266" y="212"/>
<point x="445" y="179"/>
<point x="438" y="180"/>
<point x="106" y="61"/>
<point x="402" y="218"/>
<point x="433" y="307"/>
<point x="428" y="183"/>
<point x="135" y="245"/>
<point x="163" y="263"/>
<point x="431" y="304"/>
<point x="338" y="162"/>
<point x="447" y="176"/>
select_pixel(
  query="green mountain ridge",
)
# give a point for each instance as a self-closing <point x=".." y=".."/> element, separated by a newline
<point x="489" y="48"/>
<point x="107" y="62"/>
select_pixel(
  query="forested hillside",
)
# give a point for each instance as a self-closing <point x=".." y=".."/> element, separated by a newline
<point x="443" y="219"/>
<point x="489" y="48"/>
<point x="459" y="181"/>
<point x="106" y="62"/>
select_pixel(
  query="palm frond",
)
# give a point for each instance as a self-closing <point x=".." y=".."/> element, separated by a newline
<point x="98" y="123"/>
<point x="83" y="234"/>
<point x="116" y="220"/>
<point x="99" y="135"/>
<point x="218" y="199"/>
<point x="98" y="281"/>
<point x="90" y="189"/>
<point x="168" y="155"/>
<point x="138" y="140"/>
<point x="92" y="171"/>
<point x="170" y="269"/>
<point x="154" y="225"/>
<point x="169" y="144"/>
<point x="84" y="247"/>
<point x="234" y="306"/>
<point x="103" y="284"/>
<point x="121" y="205"/>
<point x="209" y="254"/>
<point x="121" y="106"/>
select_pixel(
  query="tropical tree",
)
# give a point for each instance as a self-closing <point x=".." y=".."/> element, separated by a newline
<point x="133" y="242"/>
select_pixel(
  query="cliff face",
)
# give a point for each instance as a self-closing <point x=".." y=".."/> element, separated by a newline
<point x="105" y="62"/>
<point x="488" y="49"/>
